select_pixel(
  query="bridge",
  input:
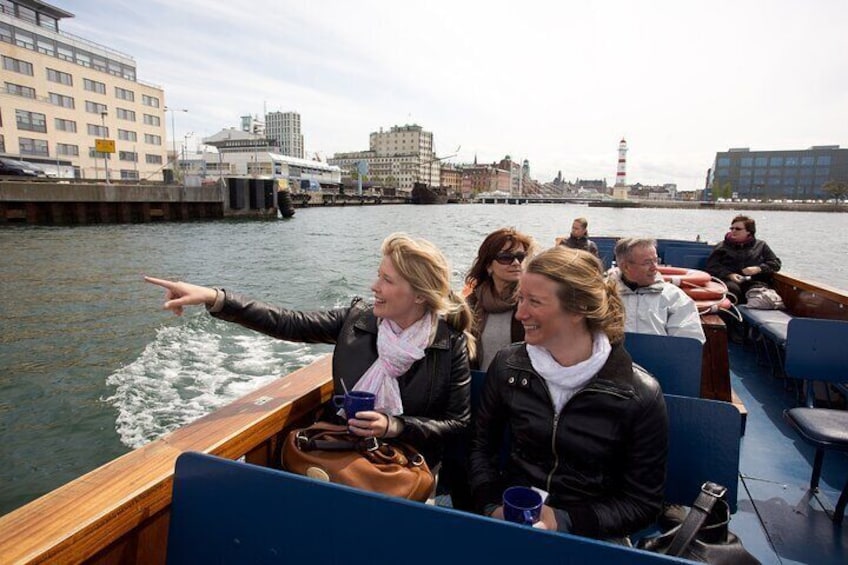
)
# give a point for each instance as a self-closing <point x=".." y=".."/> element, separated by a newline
<point x="537" y="199"/>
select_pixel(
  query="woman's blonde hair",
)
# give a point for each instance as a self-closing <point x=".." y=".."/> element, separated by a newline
<point x="427" y="271"/>
<point x="581" y="288"/>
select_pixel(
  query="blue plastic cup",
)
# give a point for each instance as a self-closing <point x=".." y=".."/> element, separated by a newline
<point x="522" y="505"/>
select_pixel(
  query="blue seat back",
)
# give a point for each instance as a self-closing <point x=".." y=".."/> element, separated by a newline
<point x="229" y="512"/>
<point x="817" y="350"/>
<point x="704" y="441"/>
<point x="687" y="257"/>
<point x="674" y="361"/>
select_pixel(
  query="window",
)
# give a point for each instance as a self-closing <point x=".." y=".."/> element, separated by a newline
<point x="64" y="52"/>
<point x="48" y="22"/>
<point x="65" y="125"/>
<point x="65" y="149"/>
<point x="94" y="107"/>
<point x="62" y="100"/>
<point x="776" y="162"/>
<point x="58" y="76"/>
<point x="84" y="59"/>
<point x="99" y="131"/>
<point x="808" y="160"/>
<point x="124" y="114"/>
<point x="761" y="161"/>
<point x="791" y="162"/>
<point x="128" y="156"/>
<point x="94" y="86"/>
<point x="149" y="101"/>
<point x="2" y="144"/>
<point x="124" y="94"/>
<point x="127" y="174"/>
<point x="151" y="120"/>
<point x="99" y="63"/>
<point x="24" y="39"/>
<point x="823" y="160"/>
<point x="153" y="159"/>
<point x="19" y="90"/>
<point x="98" y="155"/>
<point x="31" y="121"/>
<point x="17" y="66"/>
<point x="27" y="14"/>
<point x="32" y="146"/>
<point x="152" y="139"/>
<point x="724" y="161"/>
<point x="127" y="135"/>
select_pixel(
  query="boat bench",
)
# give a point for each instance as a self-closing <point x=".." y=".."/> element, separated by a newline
<point x="225" y="511"/>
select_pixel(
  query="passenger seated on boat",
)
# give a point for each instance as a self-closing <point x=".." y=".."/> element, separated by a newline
<point x="579" y="238"/>
<point x="586" y="425"/>
<point x="410" y="347"/>
<point x="492" y="282"/>
<point x="652" y="306"/>
<point x="742" y="261"/>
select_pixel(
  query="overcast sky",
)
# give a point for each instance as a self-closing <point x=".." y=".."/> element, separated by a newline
<point x="557" y="83"/>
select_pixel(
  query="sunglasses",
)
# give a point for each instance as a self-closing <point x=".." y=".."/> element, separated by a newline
<point x="508" y="258"/>
<point x="736" y="229"/>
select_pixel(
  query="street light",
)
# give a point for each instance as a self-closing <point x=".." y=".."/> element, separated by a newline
<point x="174" y="134"/>
<point x="185" y="145"/>
<point x="105" y="135"/>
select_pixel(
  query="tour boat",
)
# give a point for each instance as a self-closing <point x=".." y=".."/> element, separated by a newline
<point x="123" y="511"/>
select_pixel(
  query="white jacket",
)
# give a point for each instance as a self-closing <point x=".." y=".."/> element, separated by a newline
<point x="661" y="308"/>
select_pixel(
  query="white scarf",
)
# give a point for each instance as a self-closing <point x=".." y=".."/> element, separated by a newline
<point x="565" y="382"/>
<point x="397" y="350"/>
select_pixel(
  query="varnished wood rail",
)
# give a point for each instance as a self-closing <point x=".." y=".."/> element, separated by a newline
<point x="119" y="512"/>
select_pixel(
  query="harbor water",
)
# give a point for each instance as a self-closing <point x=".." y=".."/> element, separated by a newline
<point x="91" y="367"/>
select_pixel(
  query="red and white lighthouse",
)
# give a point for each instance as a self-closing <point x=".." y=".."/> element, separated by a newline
<point x="619" y="191"/>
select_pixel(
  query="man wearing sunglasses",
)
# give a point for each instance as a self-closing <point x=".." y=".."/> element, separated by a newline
<point x="652" y="306"/>
<point x="742" y="261"/>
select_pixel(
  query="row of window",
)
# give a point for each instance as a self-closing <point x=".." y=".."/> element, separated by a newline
<point x="49" y="46"/>
<point x="90" y="106"/>
<point x="784" y="172"/>
<point x="39" y="147"/>
<point x="790" y="161"/>
<point x="53" y="75"/>
<point x="36" y="121"/>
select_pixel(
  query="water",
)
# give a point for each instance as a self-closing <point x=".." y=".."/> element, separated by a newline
<point x="90" y="366"/>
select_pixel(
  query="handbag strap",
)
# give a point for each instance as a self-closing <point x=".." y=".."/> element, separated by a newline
<point x="710" y="493"/>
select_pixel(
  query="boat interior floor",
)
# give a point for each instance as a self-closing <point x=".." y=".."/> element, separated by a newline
<point x="778" y="519"/>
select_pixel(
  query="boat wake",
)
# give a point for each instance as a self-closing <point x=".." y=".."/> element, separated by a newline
<point x="192" y="368"/>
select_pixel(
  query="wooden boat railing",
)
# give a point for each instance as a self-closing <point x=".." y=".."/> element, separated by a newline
<point x="119" y="513"/>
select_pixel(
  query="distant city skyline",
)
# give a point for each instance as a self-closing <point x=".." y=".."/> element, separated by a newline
<point x="556" y="85"/>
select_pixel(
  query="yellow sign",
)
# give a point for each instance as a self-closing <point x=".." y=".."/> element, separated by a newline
<point x="104" y="145"/>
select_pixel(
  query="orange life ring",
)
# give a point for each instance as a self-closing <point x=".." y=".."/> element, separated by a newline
<point x="684" y="277"/>
<point x="710" y="291"/>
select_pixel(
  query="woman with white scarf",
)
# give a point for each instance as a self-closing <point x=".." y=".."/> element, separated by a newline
<point x="410" y="346"/>
<point x="585" y="425"/>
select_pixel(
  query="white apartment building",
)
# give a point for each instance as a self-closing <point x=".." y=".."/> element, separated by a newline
<point x="284" y="127"/>
<point x="60" y="92"/>
<point x="398" y="158"/>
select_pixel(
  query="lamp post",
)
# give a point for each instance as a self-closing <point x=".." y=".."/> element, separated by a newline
<point x="185" y="146"/>
<point x="174" y="135"/>
<point x="105" y="135"/>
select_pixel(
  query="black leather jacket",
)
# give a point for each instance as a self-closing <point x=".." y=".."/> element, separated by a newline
<point x="602" y="459"/>
<point x="436" y="391"/>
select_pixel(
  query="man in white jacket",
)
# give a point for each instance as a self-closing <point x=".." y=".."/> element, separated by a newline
<point x="652" y="305"/>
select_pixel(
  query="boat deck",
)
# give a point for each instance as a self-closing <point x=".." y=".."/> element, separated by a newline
<point x="778" y="519"/>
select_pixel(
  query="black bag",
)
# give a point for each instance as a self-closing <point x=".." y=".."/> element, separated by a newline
<point x="703" y="534"/>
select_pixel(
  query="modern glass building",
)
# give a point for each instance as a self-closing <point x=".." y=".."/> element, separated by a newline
<point x="794" y="175"/>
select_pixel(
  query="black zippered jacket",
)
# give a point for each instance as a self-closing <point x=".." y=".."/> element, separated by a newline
<point x="436" y="391"/>
<point x="602" y="459"/>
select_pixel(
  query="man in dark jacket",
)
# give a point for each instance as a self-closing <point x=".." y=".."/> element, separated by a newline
<point x="741" y="260"/>
<point x="579" y="238"/>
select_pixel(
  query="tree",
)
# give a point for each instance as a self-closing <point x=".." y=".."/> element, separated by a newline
<point x="722" y="190"/>
<point x="836" y="189"/>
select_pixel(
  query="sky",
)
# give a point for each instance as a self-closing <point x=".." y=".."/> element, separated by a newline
<point x="556" y="83"/>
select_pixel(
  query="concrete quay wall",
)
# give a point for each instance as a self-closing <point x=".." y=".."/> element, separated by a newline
<point x="59" y="203"/>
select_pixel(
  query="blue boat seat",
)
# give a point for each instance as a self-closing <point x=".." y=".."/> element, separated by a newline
<point x="816" y="351"/>
<point x="772" y="324"/>
<point x="225" y="511"/>
<point x="674" y="361"/>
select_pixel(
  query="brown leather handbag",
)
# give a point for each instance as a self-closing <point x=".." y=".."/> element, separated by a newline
<point x="330" y="453"/>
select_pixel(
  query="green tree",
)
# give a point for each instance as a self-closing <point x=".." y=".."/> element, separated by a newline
<point x="722" y="190"/>
<point x="837" y="189"/>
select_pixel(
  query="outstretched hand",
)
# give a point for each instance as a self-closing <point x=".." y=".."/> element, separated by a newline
<point x="179" y="294"/>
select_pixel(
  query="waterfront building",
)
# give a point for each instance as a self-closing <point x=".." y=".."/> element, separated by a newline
<point x="60" y="93"/>
<point x="241" y="153"/>
<point x="777" y="174"/>
<point x="284" y="128"/>
<point x="399" y="157"/>
<point x="486" y="178"/>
